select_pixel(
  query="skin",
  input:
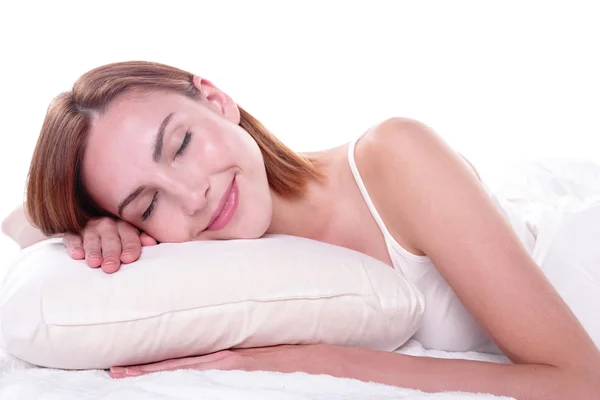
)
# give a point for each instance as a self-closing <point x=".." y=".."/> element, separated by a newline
<point x="428" y="196"/>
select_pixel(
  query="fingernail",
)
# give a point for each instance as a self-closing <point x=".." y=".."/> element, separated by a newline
<point x="126" y="254"/>
<point x="109" y="262"/>
<point x="77" y="249"/>
<point x="132" y="372"/>
<point x="117" y="370"/>
<point x="93" y="255"/>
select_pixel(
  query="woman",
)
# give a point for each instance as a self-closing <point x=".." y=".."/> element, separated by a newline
<point x="143" y="147"/>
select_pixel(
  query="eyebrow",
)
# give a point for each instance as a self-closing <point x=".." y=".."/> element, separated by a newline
<point x="158" y="145"/>
<point x="158" y="142"/>
<point x="129" y="199"/>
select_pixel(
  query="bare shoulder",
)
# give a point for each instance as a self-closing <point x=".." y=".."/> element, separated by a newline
<point x="391" y="137"/>
<point x="394" y="158"/>
<point x="383" y="157"/>
<point x="394" y="127"/>
<point x="397" y="135"/>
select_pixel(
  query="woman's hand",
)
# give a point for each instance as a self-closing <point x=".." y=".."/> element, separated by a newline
<point x="313" y="359"/>
<point x="107" y="243"/>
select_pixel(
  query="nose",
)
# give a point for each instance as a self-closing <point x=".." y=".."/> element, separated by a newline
<point x="194" y="200"/>
<point x="190" y="194"/>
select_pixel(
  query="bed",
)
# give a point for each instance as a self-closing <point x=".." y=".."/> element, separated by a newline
<point x="532" y="186"/>
<point x="19" y="380"/>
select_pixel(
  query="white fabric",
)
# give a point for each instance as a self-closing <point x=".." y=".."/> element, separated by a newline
<point x="536" y="198"/>
<point x="196" y="298"/>
<point x="22" y="381"/>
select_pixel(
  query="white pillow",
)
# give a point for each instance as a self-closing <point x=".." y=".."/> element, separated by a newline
<point x="195" y="298"/>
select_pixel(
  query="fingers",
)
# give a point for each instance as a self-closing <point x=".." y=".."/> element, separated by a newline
<point x="223" y="360"/>
<point x="107" y="243"/>
<point x="219" y="360"/>
<point x="73" y="243"/>
<point x="92" y="247"/>
<point x="131" y="244"/>
<point x="266" y="349"/>
<point x="178" y="363"/>
<point x="147" y="240"/>
<point x="111" y="245"/>
<point x="168" y="365"/>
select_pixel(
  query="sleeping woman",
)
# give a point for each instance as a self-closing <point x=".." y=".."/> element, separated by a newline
<point x="139" y="153"/>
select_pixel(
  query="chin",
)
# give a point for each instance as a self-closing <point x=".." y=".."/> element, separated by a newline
<point x="253" y="229"/>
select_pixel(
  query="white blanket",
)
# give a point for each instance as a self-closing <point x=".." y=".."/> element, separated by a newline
<point x="22" y="381"/>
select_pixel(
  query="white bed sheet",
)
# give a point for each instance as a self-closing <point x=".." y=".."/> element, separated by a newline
<point x="23" y="381"/>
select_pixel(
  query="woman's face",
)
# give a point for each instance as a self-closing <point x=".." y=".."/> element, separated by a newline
<point x="177" y="168"/>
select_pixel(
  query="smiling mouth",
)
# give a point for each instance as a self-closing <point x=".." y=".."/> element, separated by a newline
<point x="226" y="209"/>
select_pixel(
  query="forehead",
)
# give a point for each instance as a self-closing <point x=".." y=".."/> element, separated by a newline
<point x="118" y="154"/>
<point x="134" y="110"/>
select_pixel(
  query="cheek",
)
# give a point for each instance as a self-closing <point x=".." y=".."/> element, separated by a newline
<point x="234" y="146"/>
<point x="213" y="152"/>
<point x="168" y="225"/>
<point x="169" y="232"/>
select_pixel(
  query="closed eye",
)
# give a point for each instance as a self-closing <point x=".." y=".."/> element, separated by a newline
<point x="150" y="208"/>
<point x="184" y="144"/>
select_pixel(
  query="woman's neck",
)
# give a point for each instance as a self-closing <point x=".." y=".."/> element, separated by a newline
<point x="307" y="216"/>
<point x="313" y="215"/>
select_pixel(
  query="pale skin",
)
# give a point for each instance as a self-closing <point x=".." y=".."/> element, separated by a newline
<point x="430" y="199"/>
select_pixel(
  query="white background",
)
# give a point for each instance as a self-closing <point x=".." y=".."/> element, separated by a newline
<point x="500" y="81"/>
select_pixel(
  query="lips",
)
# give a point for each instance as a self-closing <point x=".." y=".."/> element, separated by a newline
<point x="226" y="209"/>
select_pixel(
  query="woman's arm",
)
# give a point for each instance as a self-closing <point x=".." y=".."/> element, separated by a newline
<point x="423" y="373"/>
<point x="424" y="190"/>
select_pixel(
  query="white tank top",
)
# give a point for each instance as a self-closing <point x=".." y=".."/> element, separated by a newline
<point x="446" y="325"/>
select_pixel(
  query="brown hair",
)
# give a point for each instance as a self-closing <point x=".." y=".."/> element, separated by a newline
<point x="56" y="199"/>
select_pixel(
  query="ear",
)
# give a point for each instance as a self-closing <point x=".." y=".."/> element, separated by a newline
<point x="218" y="100"/>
